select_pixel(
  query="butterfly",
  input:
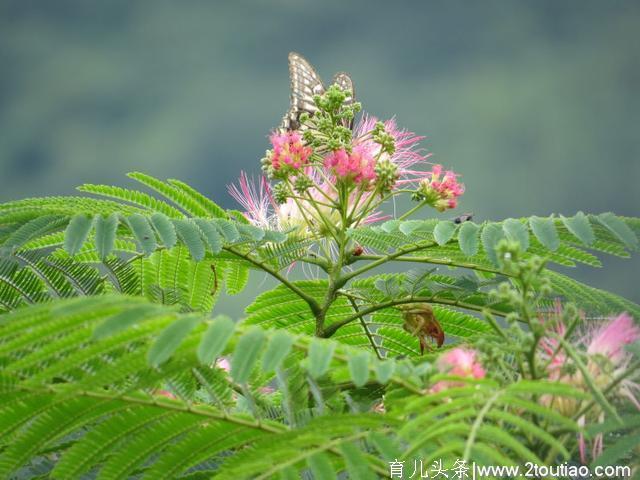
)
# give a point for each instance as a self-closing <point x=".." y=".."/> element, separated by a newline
<point x="305" y="84"/>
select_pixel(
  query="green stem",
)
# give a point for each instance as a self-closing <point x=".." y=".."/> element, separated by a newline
<point x="313" y="304"/>
<point x="202" y="410"/>
<point x="413" y="210"/>
<point x="380" y="260"/>
<point x="477" y="424"/>
<point x="424" y="259"/>
<point x="365" y="327"/>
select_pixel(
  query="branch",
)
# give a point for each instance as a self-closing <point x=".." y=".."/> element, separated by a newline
<point x="382" y="259"/>
<point x="365" y="327"/>
<point x="151" y="401"/>
<point x="435" y="261"/>
<point x="313" y="304"/>
<point x="331" y="329"/>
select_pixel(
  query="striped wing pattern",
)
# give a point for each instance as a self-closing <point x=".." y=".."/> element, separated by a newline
<point x="305" y="84"/>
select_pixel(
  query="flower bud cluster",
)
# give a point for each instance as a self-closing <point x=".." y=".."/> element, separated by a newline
<point x="438" y="190"/>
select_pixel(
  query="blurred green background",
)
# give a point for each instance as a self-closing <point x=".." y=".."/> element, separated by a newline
<point x="535" y="103"/>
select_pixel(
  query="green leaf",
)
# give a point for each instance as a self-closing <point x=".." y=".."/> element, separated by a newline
<point x="384" y="370"/>
<point x="170" y="339"/>
<point x="516" y="231"/>
<point x="357" y="465"/>
<point x="545" y="231"/>
<point x="165" y="229"/>
<point x="279" y="347"/>
<point x="321" y="467"/>
<point x="390" y="226"/>
<point x="254" y="233"/>
<point x="211" y="235"/>
<point x="468" y="238"/>
<point x="143" y="232"/>
<point x="124" y="319"/>
<point x="617" y="450"/>
<point x="227" y="229"/>
<point x="444" y="231"/>
<point x="76" y="233"/>
<point x="287" y="473"/>
<point x="215" y="339"/>
<point x="246" y="354"/>
<point x="190" y="235"/>
<point x="105" y="231"/>
<point x="588" y="379"/>
<point x="634" y="348"/>
<point x="320" y="354"/>
<point x="620" y="229"/>
<point x="274" y="237"/>
<point x="359" y="368"/>
<point x="236" y="277"/>
<point x="409" y="226"/>
<point x="491" y="235"/>
<point x="388" y="449"/>
<point x="580" y="227"/>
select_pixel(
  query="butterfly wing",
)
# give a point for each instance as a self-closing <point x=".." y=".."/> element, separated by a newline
<point x="305" y="84"/>
<point x="343" y="80"/>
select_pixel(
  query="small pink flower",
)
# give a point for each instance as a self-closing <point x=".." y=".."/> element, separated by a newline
<point x="289" y="150"/>
<point x="441" y="191"/>
<point x="406" y="156"/>
<point x="358" y="166"/>
<point x="460" y="362"/>
<point x="224" y="364"/>
<point x="166" y="393"/>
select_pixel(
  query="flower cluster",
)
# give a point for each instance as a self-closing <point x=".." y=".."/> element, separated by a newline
<point x="605" y="360"/>
<point x="288" y="151"/>
<point x="459" y="362"/>
<point x="438" y="190"/>
<point x="357" y="166"/>
<point x="335" y="176"/>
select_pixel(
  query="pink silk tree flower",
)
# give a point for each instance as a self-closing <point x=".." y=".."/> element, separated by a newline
<point x="289" y="150"/>
<point x="261" y="209"/>
<point x="254" y="199"/>
<point x="406" y="155"/>
<point x="460" y="362"/>
<point x="438" y="190"/>
<point x="610" y="339"/>
<point x="357" y="166"/>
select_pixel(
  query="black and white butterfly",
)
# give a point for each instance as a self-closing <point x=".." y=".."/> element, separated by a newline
<point x="305" y="84"/>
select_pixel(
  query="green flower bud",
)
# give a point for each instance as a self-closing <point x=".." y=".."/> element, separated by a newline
<point x="302" y="184"/>
<point x="386" y="175"/>
<point x="266" y="164"/>
<point x="281" y="193"/>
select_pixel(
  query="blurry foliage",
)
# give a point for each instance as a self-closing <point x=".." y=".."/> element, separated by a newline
<point x="510" y="93"/>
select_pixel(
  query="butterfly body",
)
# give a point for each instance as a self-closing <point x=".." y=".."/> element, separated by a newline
<point x="305" y="85"/>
